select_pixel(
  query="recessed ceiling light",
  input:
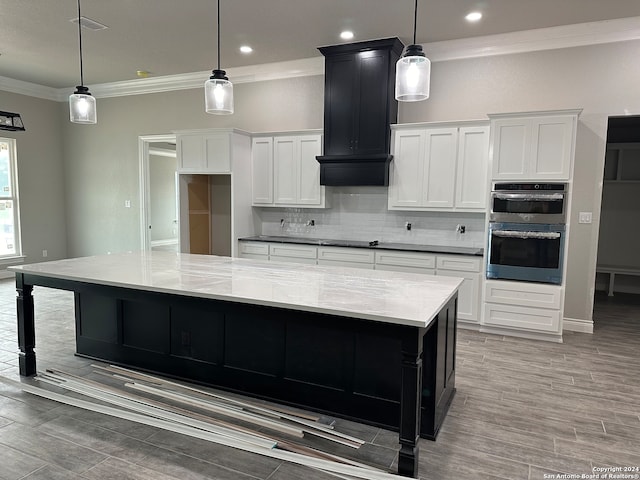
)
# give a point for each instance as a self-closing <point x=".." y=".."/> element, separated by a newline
<point x="473" y="16"/>
<point x="346" y="35"/>
<point x="246" y="49"/>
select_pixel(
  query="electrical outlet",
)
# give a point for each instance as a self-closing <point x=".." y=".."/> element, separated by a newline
<point x="127" y="203"/>
<point x="44" y="253"/>
<point x="584" y="217"/>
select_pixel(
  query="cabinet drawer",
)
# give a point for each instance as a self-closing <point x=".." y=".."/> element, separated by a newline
<point x="524" y="294"/>
<point x="459" y="262"/>
<point x="308" y="261"/>
<point x="524" y="318"/>
<point x="254" y="248"/>
<point x="341" y="263"/>
<point x="402" y="268"/>
<point x="294" y="251"/>
<point x="352" y="255"/>
<point x="405" y="259"/>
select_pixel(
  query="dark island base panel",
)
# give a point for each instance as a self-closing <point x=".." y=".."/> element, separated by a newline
<point x="350" y="368"/>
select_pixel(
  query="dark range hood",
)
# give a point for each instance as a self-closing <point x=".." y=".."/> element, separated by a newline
<point x="359" y="107"/>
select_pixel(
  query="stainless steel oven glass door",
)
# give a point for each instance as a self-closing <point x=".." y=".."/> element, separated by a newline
<point x="527" y="252"/>
<point x="548" y="207"/>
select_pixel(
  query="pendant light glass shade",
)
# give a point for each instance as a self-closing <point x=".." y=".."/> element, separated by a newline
<point x="218" y="90"/>
<point x="413" y="75"/>
<point x="218" y="94"/>
<point x="413" y="70"/>
<point x="82" y="106"/>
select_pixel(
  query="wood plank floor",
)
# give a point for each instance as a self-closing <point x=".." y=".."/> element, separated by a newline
<point x="523" y="409"/>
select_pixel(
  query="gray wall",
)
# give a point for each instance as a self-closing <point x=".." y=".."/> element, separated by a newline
<point x="162" y="198"/>
<point x="40" y="175"/>
<point x="102" y="159"/>
<point x="101" y="164"/>
<point x="601" y="79"/>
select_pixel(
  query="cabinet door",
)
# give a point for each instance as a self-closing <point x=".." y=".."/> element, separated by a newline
<point x="190" y="152"/>
<point x="551" y="147"/>
<point x="405" y="187"/>
<point x="371" y="113"/>
<point x="440" y="167"/>
<point x="217" y="148"/>
<point x="468" y="294"/>
<point x="471" y="181"/>
<point x="285" y="170"/>
<point x="309" y="190"/>
<point x="262" y="171"/>
<point x="339" y="104"/>
<point x="511" y="148"/>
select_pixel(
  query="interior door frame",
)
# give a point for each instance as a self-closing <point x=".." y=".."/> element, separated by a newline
<point x="143" y="165"/>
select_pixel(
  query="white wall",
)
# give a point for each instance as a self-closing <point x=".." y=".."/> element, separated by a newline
<point x="360" y="213"/>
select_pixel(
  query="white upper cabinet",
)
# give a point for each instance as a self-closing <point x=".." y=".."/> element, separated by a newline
<point x="536" y="146"/>
<point x="439" y="175"/>
<point x="262" y="170"/>
<point x="285" y="171"/>
<point x="439" y="168"/>
<point x="472" y="170"/>
<point x="201" y="152"/>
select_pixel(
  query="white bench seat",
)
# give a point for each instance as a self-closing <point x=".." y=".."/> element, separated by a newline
<point x="612" y="270"/>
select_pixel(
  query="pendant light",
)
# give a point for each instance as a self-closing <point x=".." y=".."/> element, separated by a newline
<point x="82" y="106"/>
<point x="218" y="90"/>
<point x="413" y="70"/>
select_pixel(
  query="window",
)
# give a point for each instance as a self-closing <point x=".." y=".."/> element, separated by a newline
<point x="9" y="217"/>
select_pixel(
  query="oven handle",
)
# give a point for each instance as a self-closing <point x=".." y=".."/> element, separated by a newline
<point x="540" y="197"/>
<point x="518" y="234"/>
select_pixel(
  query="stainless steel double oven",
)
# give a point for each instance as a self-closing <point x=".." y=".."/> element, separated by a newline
<point x="527" y="232"/>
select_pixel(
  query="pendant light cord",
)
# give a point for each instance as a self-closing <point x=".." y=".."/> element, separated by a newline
<point x="415" y="21"/>
<point x="80" y="41"/>
<point x="218" y="34"/>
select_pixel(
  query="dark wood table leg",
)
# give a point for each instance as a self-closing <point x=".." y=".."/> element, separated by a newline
<point x="410" y="403"/>
<point x="26" y="327"/>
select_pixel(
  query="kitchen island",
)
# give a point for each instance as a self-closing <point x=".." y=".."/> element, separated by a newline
<point x="371" y="346"/>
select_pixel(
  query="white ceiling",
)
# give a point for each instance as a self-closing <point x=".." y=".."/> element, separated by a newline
<point x="38" y="44"/>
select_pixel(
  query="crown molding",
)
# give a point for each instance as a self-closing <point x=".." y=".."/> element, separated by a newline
<point x="185" y="81"/>
<point x="30" y="89"/>
<point x="567" y="36"/>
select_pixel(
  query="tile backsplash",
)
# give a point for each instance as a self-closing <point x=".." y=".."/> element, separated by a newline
<point x="360" y="213"/>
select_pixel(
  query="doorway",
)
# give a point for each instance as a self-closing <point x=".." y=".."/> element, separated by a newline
<point x="618" y="260"/>
<point x="159" y="218"/>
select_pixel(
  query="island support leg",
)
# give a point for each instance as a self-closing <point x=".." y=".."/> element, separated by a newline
<point x="410" y="404"/>
<point x="26" y="327"/>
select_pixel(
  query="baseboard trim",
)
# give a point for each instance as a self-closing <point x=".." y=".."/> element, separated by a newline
<point x="548" y="337"/>
<point x="4" y="274"/>
<point x="468" y="325"/>
<point x="577" y="325"/>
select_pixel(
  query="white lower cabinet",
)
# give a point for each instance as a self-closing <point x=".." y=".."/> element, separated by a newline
<point x="406" y="262"/>
<point x="523" y="306"/>
<point x="255" y="250"/>
<point x="346" y="257"/>
<point x="286" y="252"/>
<point x="466" y="267"/>
<point x="468" y="294"/>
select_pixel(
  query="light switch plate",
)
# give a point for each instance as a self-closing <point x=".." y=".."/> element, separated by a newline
<point x="584" y="217"/>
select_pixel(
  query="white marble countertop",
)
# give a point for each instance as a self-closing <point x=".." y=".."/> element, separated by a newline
<point x="392" y="297"/>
